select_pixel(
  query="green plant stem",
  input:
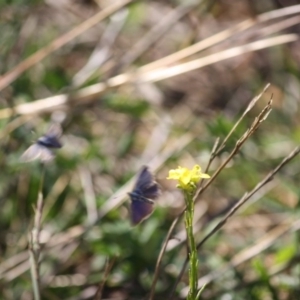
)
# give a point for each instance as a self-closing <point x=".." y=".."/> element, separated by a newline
<point x="193" y="256"/>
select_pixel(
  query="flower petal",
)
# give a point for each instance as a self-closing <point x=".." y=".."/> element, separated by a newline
<point x="187" y="179"/>
<point x="203" y="175"/>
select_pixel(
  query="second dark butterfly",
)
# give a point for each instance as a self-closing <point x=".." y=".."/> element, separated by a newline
<point x="145" y="191"/>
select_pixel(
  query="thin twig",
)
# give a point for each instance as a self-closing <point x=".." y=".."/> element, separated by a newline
<point x="171" y="296"/>
<point x="249" y="107"/>
<point x="255" y="125"/>
<point x="218" y="148"/>
<point x="108" y="267"/>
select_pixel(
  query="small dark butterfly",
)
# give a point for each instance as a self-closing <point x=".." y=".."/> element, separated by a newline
<point x="145" y="191"/>
<point x="42" y="148"/>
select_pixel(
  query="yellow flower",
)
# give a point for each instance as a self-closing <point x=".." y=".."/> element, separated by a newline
<point x="187" y="179"/>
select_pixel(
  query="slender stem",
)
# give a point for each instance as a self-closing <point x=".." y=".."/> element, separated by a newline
<point x="34" y="241"/>
<point x="193" y="256"/>
<point x="160" y="256"/>
<point x="108" y="267"/>
<point x="34" y="273"/>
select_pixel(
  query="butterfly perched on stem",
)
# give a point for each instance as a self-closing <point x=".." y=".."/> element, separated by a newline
<point x="42" y="148"/>
<point x="145" y="191"/>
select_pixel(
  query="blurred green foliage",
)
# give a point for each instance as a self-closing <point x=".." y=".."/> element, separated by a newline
<point x="122" y="129"/>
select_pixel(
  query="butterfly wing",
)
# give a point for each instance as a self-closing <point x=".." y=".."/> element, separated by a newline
<point x="145" y="188"/>
<point x="140" y="210"/>
<point x="54" y="130"/>
<point x="152" y="192"/>
<point x="146" y="185"/>
<point x="37" y="151"/>
<point x="144" y="179"/>
<point x="46" y="155"/>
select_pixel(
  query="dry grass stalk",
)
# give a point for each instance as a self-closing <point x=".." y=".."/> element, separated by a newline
<point x="108" y="267"/>
<point x="34" y="243"/>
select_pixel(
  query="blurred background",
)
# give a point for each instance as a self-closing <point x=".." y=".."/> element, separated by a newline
<point x="152" y="83"/>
